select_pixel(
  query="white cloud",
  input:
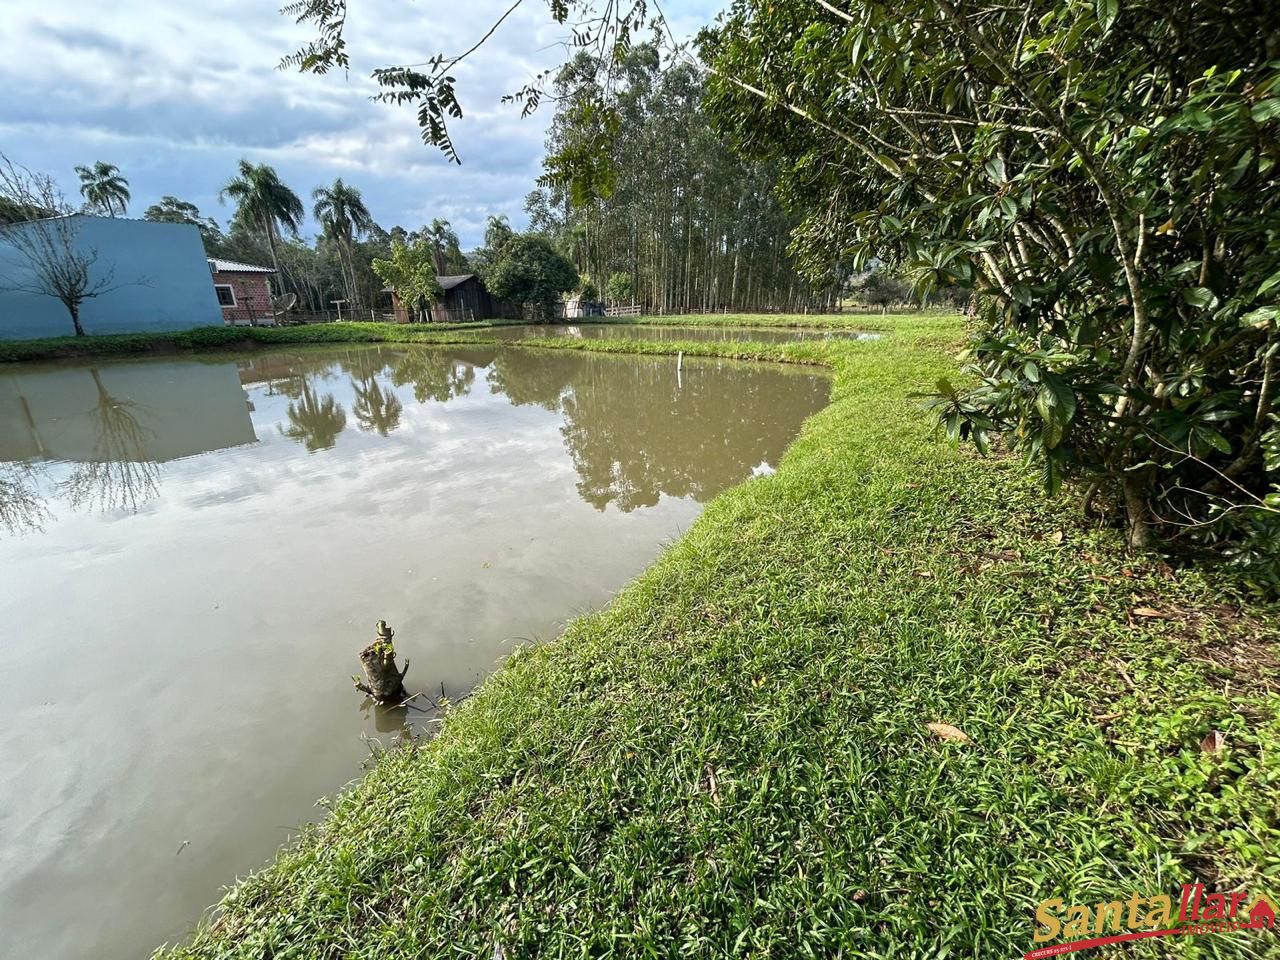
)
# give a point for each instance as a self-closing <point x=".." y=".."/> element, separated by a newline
<point x="176" y="94"/>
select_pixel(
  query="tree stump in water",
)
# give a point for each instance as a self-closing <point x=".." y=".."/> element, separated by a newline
<point x="384" y="680"/>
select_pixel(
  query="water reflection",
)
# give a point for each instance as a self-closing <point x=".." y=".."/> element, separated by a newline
<point x="314" y="421"/>
<point x="94" y="437"/>
<point x="691" y="436"/>
<point x="434" y="375"/>
<point x="267" y="509"/>
<point x="634" y="430"/>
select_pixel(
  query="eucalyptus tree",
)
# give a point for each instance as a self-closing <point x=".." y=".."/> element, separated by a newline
<point x="666" y="203"/>
<point x="104" y="189"/>
<point x="263" y="200"/>
<point x="341" y="211"/>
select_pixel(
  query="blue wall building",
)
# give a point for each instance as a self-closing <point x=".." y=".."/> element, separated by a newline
<point x="160" y="277"/>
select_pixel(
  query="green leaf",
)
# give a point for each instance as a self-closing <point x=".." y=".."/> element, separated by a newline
<point x="1269" y="284"/>
<point x="995" y="169"/>
<point x="1265" y="110"/>
<point x="1107" y="11"/>
<point x="1213" y="438"/>
<point x="1260" y="317"/>
<point x="1200" y="297"/>
<point x="1064" y="398"/>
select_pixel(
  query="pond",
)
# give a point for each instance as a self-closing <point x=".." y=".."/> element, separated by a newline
<point x="195" y="551"/>
<point x="653" y="331"/>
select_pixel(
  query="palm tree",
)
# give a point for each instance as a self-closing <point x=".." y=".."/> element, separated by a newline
<point x="315" y="421"/>
<point x="103" y="187"/>
<point x="376" y="410"/>
<point x="262" y="198"/>
<point x="341" y="211"/>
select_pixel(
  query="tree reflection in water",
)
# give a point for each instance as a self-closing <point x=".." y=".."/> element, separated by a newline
<point x="22" y="508"/>
<point x="120" y="474"/>
<point x="376" y="410"/>
<point x="636" y="432"/>
<point x="314" y="421"/>
<point x="633" y="429"/>
<point x="435" y="376"/>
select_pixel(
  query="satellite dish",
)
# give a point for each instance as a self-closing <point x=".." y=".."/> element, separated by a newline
<point x="284" y="303"/>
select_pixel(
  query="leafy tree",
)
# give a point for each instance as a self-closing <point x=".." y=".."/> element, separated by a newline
<point x="173" y="210"/>
<point x="341" y="211"/>
<point x="531" y="271"/>
<point x="879" y="287"/>
<point x="411" y="273"/>
<point x="1103" y="175"/>
<point x="587" y="289"/>
<point x="263" y="200"/>
<point x="104" y="189"/>
<point x="618" y="289"/>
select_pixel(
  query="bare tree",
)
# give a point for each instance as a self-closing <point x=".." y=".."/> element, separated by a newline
<point x="47" y="238"/>
<point x="121" y="474"/>
<point x="22" y="506"/>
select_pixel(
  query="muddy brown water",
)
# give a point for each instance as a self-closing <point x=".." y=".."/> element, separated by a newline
<point x="195" y="551"/>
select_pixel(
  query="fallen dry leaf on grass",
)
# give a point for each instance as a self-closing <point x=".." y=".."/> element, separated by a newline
<point x="1214" y="742"/>
<point x="947" y="732"/>
<point x="1151" y="613"/>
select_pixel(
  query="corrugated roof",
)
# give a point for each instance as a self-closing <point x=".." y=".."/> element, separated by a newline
<point x="235" y="266"/>
<point x="448" y="283"/>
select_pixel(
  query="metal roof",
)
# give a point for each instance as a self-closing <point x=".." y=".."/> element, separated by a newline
<point x="235" y="266"/>
<point x="448" y="283"/>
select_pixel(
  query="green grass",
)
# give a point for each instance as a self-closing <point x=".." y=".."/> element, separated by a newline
<point x="203" y="339"/>
<point x="732" y="760"/>
<point x="228" y="338"/>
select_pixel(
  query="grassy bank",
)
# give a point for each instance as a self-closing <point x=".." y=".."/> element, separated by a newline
<point x="732" y="759"/>
<point x="204" y="339"/>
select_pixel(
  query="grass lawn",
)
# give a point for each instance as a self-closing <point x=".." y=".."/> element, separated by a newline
<point x="732" y="759"/>
<point x="236" y="338"/>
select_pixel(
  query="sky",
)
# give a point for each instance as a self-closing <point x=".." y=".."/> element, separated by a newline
<point x="176" y="93"/>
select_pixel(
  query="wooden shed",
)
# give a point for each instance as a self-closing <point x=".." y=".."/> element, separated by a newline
<point x="464" y="300"/>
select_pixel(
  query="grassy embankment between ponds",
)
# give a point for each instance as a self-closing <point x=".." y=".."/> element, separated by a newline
<point x="202" y="339"/>
<point x="732" y="758"/>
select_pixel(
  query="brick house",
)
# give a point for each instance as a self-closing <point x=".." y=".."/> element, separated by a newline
<point x="244" y="292"/>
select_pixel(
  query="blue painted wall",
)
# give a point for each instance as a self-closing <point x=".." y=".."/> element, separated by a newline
<point x="161" y="275"/>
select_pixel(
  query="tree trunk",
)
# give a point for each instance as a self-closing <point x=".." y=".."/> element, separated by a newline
<point x="1137" y="514"/>
<point x="275" y="259"/>
<point x="75" y="318"/>
<point x="384" y="680"/>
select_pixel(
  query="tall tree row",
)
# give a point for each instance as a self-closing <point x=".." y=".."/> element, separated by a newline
<point x="691" y="225"/>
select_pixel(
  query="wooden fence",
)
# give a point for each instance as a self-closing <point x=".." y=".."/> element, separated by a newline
<point x="633" y="310"/>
